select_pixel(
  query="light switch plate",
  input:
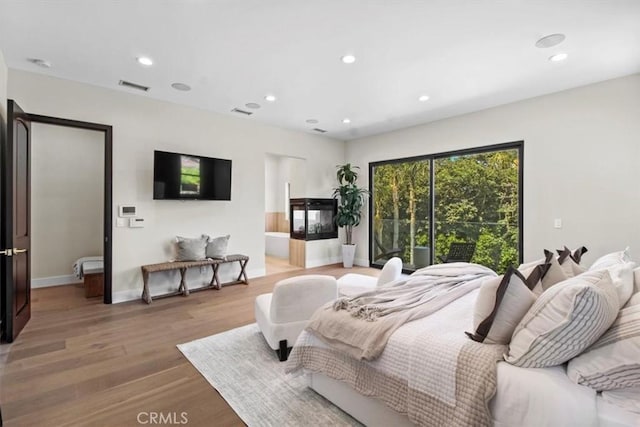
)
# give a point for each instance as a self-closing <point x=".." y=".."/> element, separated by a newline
<point x="557" y="223"/>
<point x="122" y="222"/>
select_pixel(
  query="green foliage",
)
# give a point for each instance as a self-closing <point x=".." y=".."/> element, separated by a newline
<point x="350" y="199"/>
<point x="476" y="200"/>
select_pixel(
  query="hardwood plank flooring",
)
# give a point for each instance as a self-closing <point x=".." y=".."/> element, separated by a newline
<point x="79" y="362"/>
<point x="275" y="265"/>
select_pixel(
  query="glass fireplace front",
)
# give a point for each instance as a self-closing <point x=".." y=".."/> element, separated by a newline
<point x="312" y="219"/>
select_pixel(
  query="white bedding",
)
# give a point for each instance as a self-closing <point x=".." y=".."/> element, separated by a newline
<point x="93" y="263"/>
<point x="524" y="397"/>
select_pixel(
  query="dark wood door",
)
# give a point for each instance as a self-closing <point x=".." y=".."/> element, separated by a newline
<point x="17" y="223"/>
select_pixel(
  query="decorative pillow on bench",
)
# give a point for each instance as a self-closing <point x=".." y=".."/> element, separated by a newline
<point x="217" y="247"/>
<point x="191" y="249"/>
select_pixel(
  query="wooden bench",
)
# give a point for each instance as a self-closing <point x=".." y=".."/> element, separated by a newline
<point x="184" y="265"/>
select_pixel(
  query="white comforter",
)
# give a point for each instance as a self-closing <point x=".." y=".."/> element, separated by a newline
<point x="78" y="266"/>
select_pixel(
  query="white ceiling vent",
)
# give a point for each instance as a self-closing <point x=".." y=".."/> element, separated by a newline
<point x="319" y="130"/>
<point x="133" y="85"/>
<point x="239" y="111"/>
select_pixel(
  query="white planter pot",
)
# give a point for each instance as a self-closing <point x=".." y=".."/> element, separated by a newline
<point x="348" y="253"/>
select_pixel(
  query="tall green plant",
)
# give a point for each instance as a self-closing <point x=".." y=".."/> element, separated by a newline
<point x="350" y="199"/>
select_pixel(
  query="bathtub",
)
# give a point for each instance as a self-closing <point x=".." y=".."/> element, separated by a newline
<point x="276" y="244"/>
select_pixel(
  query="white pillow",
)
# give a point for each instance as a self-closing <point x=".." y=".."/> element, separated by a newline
<point x="636" y="280"/>
<point x="191" y="249"/>
<point x="554" y="273"/>
<point x="570" y="261"/>
<point x="501" y="304"/>
<point x="634" y="300"/>
<point x="566" y="319"/>
<point x="622" y="278"/>
<point x="613" y="361"/>
<point x="609" y="260"/>
<point x="626" y="398"/>
<point x="217" y="247"/>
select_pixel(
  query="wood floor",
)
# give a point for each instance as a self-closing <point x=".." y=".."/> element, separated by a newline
<point x="80" y="362"/>
<point x="275" y="265"/>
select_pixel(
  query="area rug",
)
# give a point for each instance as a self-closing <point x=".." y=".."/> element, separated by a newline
<point x="247" y="374"/>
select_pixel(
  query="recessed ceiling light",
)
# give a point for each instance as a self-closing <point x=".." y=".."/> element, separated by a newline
<point x="348" y="59"/>
<point x="423" y="98"/>
<point x="145" y="60"/>
<point x="346" y="121"/>
<point x="270" y="98"/>
<point x="312" y="121"/>
<point x="558" y="57"/>
<point x="252" y="105"/>
<point x="550" y="40"/>
<point x="40" y="62"/>
<point x="181" y="86"/>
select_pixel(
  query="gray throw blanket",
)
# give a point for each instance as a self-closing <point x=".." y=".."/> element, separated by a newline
<point x="361" y="325"/>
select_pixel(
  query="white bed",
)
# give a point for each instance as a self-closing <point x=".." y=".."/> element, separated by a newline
<point x="524" y="397"/>
<point x="276" y="244"/>
<point x="88" y="265"/>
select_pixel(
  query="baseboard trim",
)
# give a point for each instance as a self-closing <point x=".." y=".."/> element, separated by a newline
<point x="319" y="262"/>
<point x="361" y="262"/>
<point x="46" y="282"/>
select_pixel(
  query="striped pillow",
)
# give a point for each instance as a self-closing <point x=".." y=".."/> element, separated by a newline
<point x="565" y="319"/>
<point x="613" y="361"/>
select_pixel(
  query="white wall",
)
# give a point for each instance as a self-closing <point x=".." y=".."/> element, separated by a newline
<point x="582" y="148"/>
<point x="67" y="187"/>
<point x="271" y="171"/>
<point x="278" y="171"/>
<point x="293" y="171"/>
<point x="141" y="125"/>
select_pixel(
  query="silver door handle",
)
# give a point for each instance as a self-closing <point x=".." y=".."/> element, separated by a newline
<point x="7" y="252"/>
<point x="18" y="251"/>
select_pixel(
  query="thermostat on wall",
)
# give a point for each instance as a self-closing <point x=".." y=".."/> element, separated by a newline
<point x="126" y="211"/>
<point x="136" y="222"/>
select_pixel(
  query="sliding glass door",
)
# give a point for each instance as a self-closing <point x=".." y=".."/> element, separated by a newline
<point x="420" y="206"/>
<point x="401" y="218"/>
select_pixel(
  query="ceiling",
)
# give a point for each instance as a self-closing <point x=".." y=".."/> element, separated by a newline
<point x="466" y="55"/>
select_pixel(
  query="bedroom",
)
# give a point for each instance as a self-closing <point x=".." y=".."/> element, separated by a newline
<point x="580" y="144"/>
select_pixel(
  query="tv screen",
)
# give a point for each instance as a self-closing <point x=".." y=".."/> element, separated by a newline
<point x="189" y="177"/>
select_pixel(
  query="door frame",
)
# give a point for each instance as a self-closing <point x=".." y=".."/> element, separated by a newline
<point x="107" y="130"/>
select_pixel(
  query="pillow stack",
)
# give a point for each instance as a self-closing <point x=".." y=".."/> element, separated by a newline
<point x="503" y="301"/>
<point x="201" y="248"/>
<point x="554" y="311"/>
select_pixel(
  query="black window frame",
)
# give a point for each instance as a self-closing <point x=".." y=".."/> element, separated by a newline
<point x="517" y="145"/>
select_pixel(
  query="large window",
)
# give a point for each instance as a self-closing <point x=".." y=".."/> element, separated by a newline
<point x="420" y="206"/>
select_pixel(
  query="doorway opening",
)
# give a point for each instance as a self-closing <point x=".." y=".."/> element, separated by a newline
<point x="67" y="212"/>
<point x="285" y="178"/>
<point x="15" y="238"/>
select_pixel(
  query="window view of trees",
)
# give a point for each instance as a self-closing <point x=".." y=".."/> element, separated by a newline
<point x="476" y="200"/>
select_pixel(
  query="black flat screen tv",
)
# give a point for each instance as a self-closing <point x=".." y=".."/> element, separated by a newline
<point x="188" y="177"/>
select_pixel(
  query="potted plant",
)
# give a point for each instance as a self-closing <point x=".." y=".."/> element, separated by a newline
<point x="350" y="201"/>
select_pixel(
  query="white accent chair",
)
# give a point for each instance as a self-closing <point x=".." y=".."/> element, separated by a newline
<point x="353" y="283"/>
<point x="284" y="313"/>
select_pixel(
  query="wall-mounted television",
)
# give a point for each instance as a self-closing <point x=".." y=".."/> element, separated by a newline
<point x="189" y="177"/>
